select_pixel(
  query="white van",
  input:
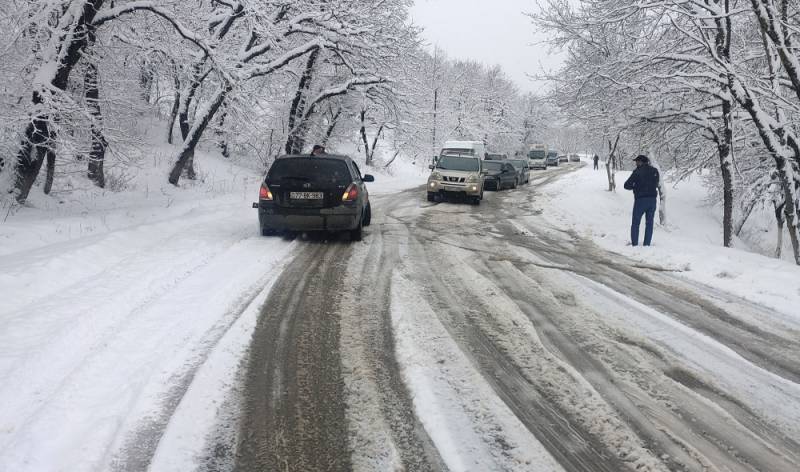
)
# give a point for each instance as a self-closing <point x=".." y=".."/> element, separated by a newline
<point x="464" y="149"/>
<point x="537" y="156"/>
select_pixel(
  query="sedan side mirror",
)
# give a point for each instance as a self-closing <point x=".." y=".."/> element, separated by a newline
<point x="431" y="167"/>
<point x="484" y="172"/>
<point x="368" y="178"/>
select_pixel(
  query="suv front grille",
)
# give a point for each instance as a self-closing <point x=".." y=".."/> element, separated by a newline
<point x="454" y="179"/>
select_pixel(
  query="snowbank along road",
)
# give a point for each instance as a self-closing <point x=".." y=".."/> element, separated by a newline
<point x="481" y="338"/>
<point x="122" y="355"/>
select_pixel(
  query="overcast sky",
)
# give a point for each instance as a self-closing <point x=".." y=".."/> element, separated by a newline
<point x="489" y="31"/>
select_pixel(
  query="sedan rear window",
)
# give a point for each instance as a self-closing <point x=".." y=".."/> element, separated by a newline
<point x="312" y="170"/>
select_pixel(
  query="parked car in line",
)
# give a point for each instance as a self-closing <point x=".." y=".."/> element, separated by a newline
<point x="464" y="149"/>
<point x="563" y="158"/>
<point x="500" y="175"/>
<point x="310" y="193"/>
<point x="523" y="170"/>
<point x="456" y="176"/>
<point x="574" y="158"/>
<point x="537" y="156"/>
<point x="552" y="158"/>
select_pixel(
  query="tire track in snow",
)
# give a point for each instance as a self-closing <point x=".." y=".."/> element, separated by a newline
<point x="468" y="320"/>
<point x="385" y="432"/>
<point x="704" y="444"/>
<point x="141" y="443"/>
<point x="756" y="446"/>
<point x="339" y="292"/>
<point x="777" y="353"/>
<point x="293" y="414"/>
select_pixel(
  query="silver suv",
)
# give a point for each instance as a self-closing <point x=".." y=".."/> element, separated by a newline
<point x="456" y="176"/>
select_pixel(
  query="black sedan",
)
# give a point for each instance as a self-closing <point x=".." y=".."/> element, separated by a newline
<point x="307" y="193"/>
<point x="499" y="175"/>
<point x="523" y="170"/>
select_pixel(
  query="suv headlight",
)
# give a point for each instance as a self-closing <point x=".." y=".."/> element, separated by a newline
<point x="435" y="176"/>
<point x="472" y="179"/>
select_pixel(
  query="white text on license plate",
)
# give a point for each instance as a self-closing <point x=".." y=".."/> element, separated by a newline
<point x="305" y="195"/>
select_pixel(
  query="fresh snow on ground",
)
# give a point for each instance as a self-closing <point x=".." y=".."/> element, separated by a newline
<point x="125" y="313"/>
<point x="690" y="243"/>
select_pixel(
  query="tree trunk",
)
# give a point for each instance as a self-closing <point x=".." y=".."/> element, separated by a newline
<point x="780" y="219"/>
<point x="433" y="128"/>
<point x="790" y="212"/>
<point x="146" y="81"/>
<point x="173" y="114"/>
<point x="363" y="132"/>
<point x="186" y="154"/>
<point x="184" y="123"/>
<point x="31" y="153"/>
<point x="331" y="126"/>
<point x="39" y="133"/>
<point x="722" y="41"/>
<point x="371" y="156"/>
<point x="51" y="168"/>
<point x="611" y="165"/>
<point x="724" y="150"/>
<point x="746" y="212"/>
<point x="222" y="142"/>
<point x="775" y="140"/>
<point x="97" y="153"/>
<point x="394" y="156"/>
<point x="778" y="140"/>
<point x="294" y="141"/>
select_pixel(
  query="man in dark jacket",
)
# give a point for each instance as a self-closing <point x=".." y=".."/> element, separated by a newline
<point x="596" y="161"/>
<point x="644" y="181"/>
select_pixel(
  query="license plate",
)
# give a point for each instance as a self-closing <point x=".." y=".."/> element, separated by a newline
<point x="305" y="195"/>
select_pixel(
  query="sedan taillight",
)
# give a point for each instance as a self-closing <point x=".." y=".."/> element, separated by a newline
<point x="351" y="194"/>
<point x="264" y="193"/>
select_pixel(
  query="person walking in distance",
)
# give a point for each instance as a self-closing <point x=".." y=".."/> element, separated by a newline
<point x="596" y="161"/>
<point x="644" y="181"/>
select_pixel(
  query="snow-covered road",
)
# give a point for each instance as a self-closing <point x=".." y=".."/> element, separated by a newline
<point x="484" y="338"/>
<point x="452" y="338"/>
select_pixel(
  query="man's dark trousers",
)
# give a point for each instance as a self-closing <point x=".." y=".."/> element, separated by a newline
<point x="643" y="206"/>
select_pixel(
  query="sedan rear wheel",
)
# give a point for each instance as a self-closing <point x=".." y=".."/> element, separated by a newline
<point x="357" y="233"/>
<point x="368" y="215"/>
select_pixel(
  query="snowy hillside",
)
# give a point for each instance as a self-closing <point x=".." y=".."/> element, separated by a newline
<point x="690" y="244"/>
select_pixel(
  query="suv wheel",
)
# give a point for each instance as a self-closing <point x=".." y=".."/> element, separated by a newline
<point x="516" y="183"/>
<point x="431" y="197"/>
<point x="357" y="234"/>
<point x="476" y="200"/>
<point x="368" y="215"/>
<point x="268" y="232"/>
